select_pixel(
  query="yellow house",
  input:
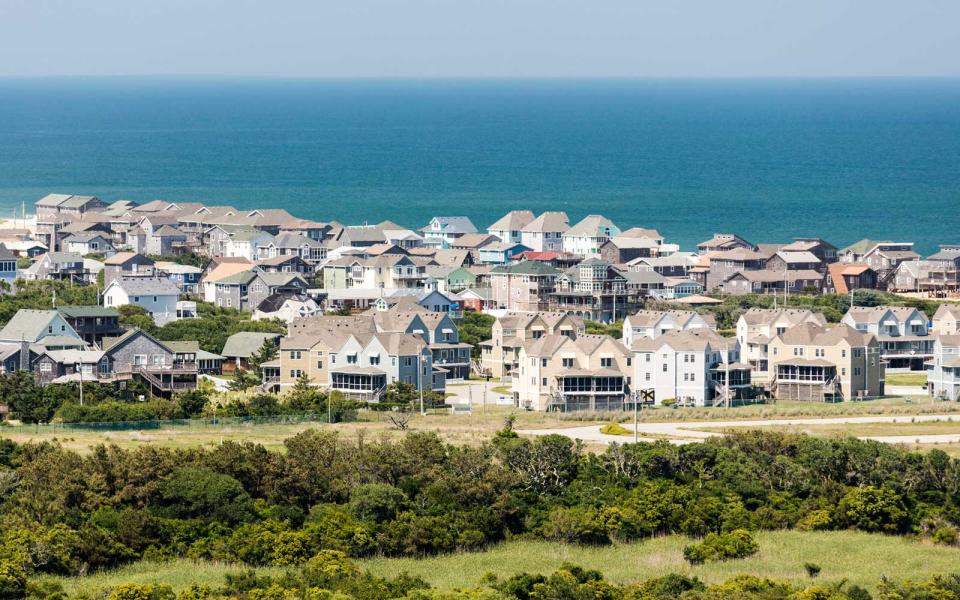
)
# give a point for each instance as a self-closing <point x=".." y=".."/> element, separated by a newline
<point x="812" y="362"/>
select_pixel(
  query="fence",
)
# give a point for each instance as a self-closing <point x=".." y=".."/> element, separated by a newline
<point x="168" y="424"/>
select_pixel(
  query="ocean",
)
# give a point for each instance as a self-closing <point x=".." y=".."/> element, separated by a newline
<point x="768" y="159"/>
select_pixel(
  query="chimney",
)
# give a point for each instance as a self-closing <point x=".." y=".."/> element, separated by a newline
<point x="24" y="354"/>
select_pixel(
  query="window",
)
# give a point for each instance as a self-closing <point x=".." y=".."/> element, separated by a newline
<point x="296" y="373"/>
<point x="647" y="356"/>
<point x="45" y="367"/>
<point x="544" y="362"/>
<point x="646" y="376"/>
<point x="375" y="359"/>
<point x="544" y="380"/>
<point x="136" y="298"/>
<point x="154" y="298"/>
<point x="333" y="359"/>
<point x="843" y="371"/>
<point x="567" y="363"/>
<point x="294" y="355"/>
<point x="320" y="362"/>
<point x="407" y="361"/>
<point x="856" y="371"/>
<point x="606" y="361"/>
<point x="351" y="359"/>
<point x="664" y="367"/>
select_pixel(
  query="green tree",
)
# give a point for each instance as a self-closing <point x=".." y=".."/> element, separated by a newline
<point x="203" y="494"/>
<point x="267" y="352"/>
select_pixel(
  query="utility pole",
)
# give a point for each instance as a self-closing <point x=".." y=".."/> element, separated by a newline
<point x="420" y="381"/>
<point x="636" y="416"/>
<point x="80" y="370"/>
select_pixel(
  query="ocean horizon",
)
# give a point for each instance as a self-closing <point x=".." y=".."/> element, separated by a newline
<point x="770" y="159"/>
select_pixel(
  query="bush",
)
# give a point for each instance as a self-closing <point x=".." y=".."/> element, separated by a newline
<point x="812" y="569"/>
<point x="875" y="509"/>
<point x="575" y="525"/>
<point x="722" y="546"/>
<point x="945" y="535"/>
<point x="13" y="581"/>
<point x="615" y="429"/>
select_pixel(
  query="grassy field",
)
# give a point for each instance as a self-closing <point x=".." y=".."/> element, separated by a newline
<point x="860" y="558"/>
<point x="902" y="427"/>
<point x="461" y="428"/>
<point x="906" y="379"/>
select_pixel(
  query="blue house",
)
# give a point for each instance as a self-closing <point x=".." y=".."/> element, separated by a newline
<point x="501" y="253"/>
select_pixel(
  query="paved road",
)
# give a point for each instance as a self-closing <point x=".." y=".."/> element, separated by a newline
<point x="685" y="432"/>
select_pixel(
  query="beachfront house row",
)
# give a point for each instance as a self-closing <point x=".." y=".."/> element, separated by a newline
<point x="586" y="237"/>
<point x="597" y="291"/>
<point x="509" y="227"/>
<point x="545" y="233"/>
<point x="943" y="379"/>
<point x="902" y="333"/>
<point x="567" y="374"/>
<point x="690" y="367"/>
<point x="825" y="252"/>
<point x="757" y="327"/>
<point x="812" y="362"/>
<point x="500" y="355"/>
<point x="766" y="281"/>
<point x="654" y="323"/>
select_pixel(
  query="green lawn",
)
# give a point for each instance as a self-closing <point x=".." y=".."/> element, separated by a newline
<point x="905" y="379"/>
<point x="859" y="557"/>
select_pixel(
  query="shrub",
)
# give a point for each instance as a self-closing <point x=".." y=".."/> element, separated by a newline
<point x="874" y="509"/>
<point x="722" y="546"/>
<point x="816" y="520"/>
<point x="575" y="525"/>
<point x="13" y="581"/>
<point x="615" y="429"/>
<point x="946" y="535"/>
<point x="812" y="569"/>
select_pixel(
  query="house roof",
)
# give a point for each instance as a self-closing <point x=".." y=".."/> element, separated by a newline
<point x="527" y="267"/>
<point x="640" y="232"/>
<point x="475" y="240"/>
<point x="799" y="256"/>
<point x="512" y="221"/>
<point x="146" y="286"/>
<point x="863" y="246"/>
<point x="169" y="231"/>
<point x="838" y="272"/>
<point x="811" y="334"/>
<point x="244" y="343"/>
<point x="241" y="278"/>
<point x="27" y="324"/>
<point x="53" y="200"/>
<point x="693" y="340"/>
<point x="111" y="343"/>
<point x="592" y="225"/>
<point x="84" y="238"/>
<point x="122" y="257"/>
<point x="451" y="225"/>
<point x="227" y="268"/>
<point x="88" y="311"/>
<point x="64" y="257"/>
<point x="548" y="221"/>
<point x="183" y="346"/>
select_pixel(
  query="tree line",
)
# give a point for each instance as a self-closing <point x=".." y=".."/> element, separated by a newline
<point x="63" y="513"/>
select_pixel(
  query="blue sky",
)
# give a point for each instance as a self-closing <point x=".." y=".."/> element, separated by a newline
<point x="481" y="38"/>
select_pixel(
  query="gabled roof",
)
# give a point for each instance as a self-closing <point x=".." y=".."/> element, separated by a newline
<point x="690" y="340"/>
<point x="85" y="238"/>
<point x="244" y="343"/>
<point x="169" y="231"/>
<point x="793" y="257"/>
<point x="548" y="221"/>
<point x="64" y="257"/>
<point x="53" y="200"/>
<point x="111" y="344"/>
<point x="592" y="225"/>
<point x="811" y="334"/>
<point x="451" y="225"/>
<point x="838" y="272"/>
<point x="475" y="240"/>
<point x="145" y="286"/>
<point x="29" y="325"/>
<point x="527" y="267"/>
<point x="227" y="268"/>
<point x="88" y="311"/>
<point x="947" y="309"/>
<point x="512" y="221"/>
